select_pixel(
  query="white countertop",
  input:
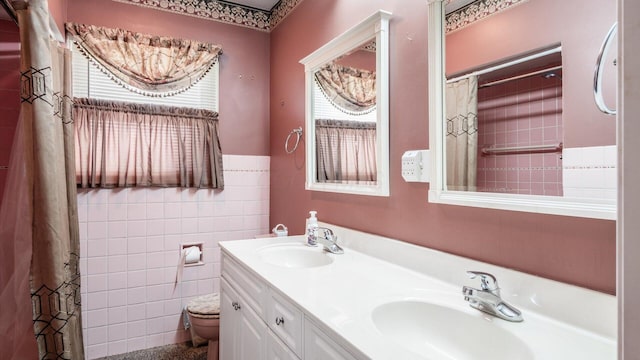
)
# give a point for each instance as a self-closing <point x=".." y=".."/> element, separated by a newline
<point x="561" y="321"/>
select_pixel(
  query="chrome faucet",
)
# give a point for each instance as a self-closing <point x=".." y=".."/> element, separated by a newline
<point x="327" y="238"/>
<point x="487" y="299"/>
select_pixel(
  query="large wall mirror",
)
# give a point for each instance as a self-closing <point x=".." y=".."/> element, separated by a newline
<point x="513" y="121"/>
<point x="347" y="111"/>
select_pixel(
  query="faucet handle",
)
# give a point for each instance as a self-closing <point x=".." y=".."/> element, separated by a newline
<point x="488" y="282"/>
<point x="328" y="234"/>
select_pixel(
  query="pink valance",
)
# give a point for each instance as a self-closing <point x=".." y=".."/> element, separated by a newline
<point x="147" y="64"/>
<point x="349" y="89"/>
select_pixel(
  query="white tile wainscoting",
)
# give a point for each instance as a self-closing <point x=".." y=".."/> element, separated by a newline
<point x="129" y="242"/>
<point x="590" y="172"/>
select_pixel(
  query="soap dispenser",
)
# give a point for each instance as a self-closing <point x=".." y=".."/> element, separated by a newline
<point x="312" y="227"/>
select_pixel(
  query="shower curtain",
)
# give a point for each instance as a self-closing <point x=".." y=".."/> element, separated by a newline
<point x="462" y="133"/>
<point x="39" y="210"/>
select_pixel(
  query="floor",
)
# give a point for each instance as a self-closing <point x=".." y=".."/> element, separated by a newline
<point x="169" y="352"/>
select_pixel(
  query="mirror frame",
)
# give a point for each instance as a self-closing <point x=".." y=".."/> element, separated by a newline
<point x="376" y="25"/>
<point x="555" y="205"/>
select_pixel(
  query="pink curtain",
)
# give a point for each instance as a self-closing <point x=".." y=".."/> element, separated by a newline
<point x="346" y="151"/>
<point x="148" y="64"/>
<point x="125" y="144"/>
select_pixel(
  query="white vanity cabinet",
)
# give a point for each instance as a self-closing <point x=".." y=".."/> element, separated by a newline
<point x="259" y="323"/>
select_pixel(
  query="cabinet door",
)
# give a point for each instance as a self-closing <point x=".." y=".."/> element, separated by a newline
<point x="229" y="317"/>
<point x="243" y="334"/>
<point x="277" y="350"/>
<point x="319" y="346"/>
<point x="252" y="335"/>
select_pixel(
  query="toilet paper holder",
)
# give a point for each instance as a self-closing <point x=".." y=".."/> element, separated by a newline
<point x="192" y="254"/>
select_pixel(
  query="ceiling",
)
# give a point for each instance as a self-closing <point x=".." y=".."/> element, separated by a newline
<point x="453" y="5"/>
<point x="258" y="4"/>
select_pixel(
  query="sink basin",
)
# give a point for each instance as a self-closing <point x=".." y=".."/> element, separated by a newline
<point x="441" y="332"/>
<point x="294" y="256"/>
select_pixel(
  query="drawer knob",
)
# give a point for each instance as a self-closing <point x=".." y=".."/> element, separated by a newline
<point x="279" y="320"/>
<point x="235" y="305"/>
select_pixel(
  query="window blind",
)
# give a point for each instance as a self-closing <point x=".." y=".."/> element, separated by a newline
<point x="323" y="109"/>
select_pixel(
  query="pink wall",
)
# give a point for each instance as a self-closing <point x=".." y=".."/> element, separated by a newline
<point x="360" y="59"/>
<point x="9" y="92"/>
<point x="538" y="24"/>
<point x="58" y="10"/>
<point x="522" y="112"/>
<point x="573" y="250"/>
<point x="244" y="65"/>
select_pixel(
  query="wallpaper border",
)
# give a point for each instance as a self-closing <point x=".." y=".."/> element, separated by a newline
<point x="476" y="11"/>
<point x="222" y="11"/>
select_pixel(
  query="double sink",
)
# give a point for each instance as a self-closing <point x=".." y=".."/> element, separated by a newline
<point x="436" y="329"/>
<point x="423" y="322"/>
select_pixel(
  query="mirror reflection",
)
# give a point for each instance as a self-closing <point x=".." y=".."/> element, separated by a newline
<point x="344" y="111"/>
<point x="504" y="127"/>
<point x="520" y="115"/>
<point x="347" y="111"/>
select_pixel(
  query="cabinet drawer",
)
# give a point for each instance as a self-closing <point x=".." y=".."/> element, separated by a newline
<point x="249" y="287"/>
<point x="286" y="321"/>
<point x="318" y="346"/>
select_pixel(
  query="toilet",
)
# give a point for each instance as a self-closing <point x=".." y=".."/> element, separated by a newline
<point x="204" y="316"/>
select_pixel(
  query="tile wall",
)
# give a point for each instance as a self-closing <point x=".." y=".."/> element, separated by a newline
<point x="130" y="241"/>
<point x="519" y="113"/>
<point x="590" y="172"/>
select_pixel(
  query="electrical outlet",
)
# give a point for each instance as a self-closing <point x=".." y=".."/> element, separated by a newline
<point x="415" y="166"/>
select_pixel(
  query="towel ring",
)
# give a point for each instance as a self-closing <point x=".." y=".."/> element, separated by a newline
<point x="298" y="132"/>
<point x="597" y="77"/>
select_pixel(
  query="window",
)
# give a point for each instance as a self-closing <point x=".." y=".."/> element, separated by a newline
<point x="125" y="139"/>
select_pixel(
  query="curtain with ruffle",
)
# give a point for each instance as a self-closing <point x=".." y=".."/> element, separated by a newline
<point x="126" y="144"/>
<point x="346" y="151"/>
<point x="147" y="64"/>
<point x="350" y="90"/>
